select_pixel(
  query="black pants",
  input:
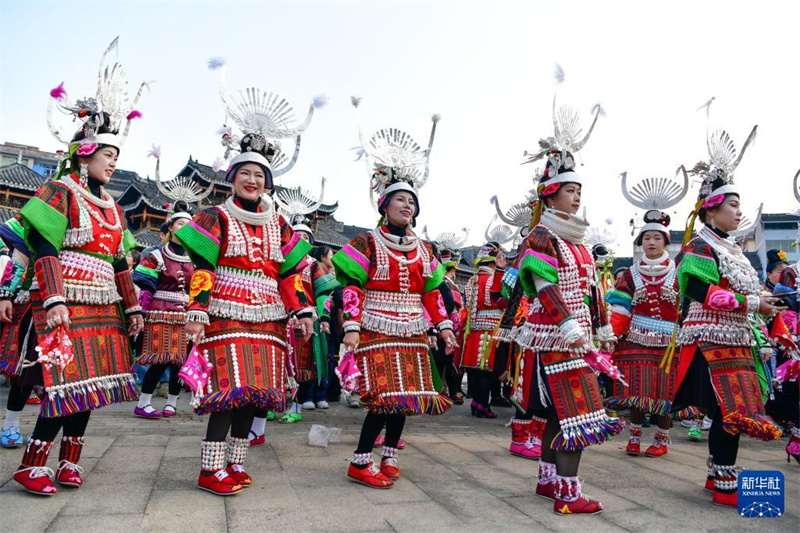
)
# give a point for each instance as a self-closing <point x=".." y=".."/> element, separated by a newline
<point x="373" y="424"/>
<point x="722" y="446"/>
<point x="73" y="425"/>
<point x="447" y="369"/>
<point x="154" y="373"/>
<point x="18" y="395"/>
<point x="237" y="421"/>
<point x="479" y="383"/>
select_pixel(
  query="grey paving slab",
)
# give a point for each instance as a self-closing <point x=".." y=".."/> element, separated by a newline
<point x="141" y="475"/>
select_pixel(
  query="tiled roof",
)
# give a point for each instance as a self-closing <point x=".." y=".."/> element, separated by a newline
<point x="19" y="176"/>
<point x="6" y="214"/>
<point x="147" y="238"/>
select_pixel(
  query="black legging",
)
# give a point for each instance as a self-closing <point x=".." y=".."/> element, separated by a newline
<point x="74" y="426"/>
<point x="479" y="383"/>
<point x="446" y="368"/>
<point x="154" y="373"/>
<point x="722" y="446"/>
<point x="18" y="395"/>
<point x="373" y="424"/>
<point x="238" y="421"/>
<point x="566" y="462"/>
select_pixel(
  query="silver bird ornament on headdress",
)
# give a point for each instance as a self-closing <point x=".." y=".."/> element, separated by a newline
<point x="655" y="193"/>
<point x="257" y="111"/>
<point x="568" y="133"/>
<point x="295" y="203"/>
<point x="111" y="98"/>
<point x="722" y="158"/>
<point x="393" y="148"/>
<point x="183" y="188"/>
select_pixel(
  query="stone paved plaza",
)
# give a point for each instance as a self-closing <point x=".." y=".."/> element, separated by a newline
<point x="457" y="476"/>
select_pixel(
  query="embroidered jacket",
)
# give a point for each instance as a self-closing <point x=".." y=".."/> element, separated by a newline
<point x="571" y="292"/>
<point x="164" y="280"/>
<point x="250" y="270"/>
<point x="386" y="289"/>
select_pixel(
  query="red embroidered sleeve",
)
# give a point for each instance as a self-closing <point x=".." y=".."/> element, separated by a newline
<point x="51" y="282"/>
<point x="126" y="288"/>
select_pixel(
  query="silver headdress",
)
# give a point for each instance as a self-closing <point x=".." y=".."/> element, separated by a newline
<point x="182" y="189"/>
<point x="796" y="186"/>
<point x="499" y="233"/>
<point x="655" y="196"/>
<point x="110" y="106"/>
<point x="747" y="225"/>
<point x="394" y="159"/>
<point x="295" y="203"/>
<point x="264" y="117"/>
<point x="600" y="235"/>
<point x="448" y="240"/>
<point x="717" y="172"/>
<point x="567" y="140"/>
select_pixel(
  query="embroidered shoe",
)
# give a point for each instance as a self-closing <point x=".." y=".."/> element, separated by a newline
<point x="633" y="448"/>
<point x="11" y="438"/>
<point x="725" y="499"/>
<point x="69" y="474"/>
<point x="370" y="476"/>
<point x="583" y="505"/>
<point x="389" y="468"/>
<point x="219" y="483"/>
<point x="695" y="434"/>
<point x="709" y="486"/>
<point x="142" y="412"/>
<point x="257" y="440"/>
<point x="401" y="444"/>
<point x="657" y="449"/>
<point x="526" y="450"/>
<point x="169" y="411"/>
<point x="546" y="490"/>
<point x="36" y="480"/>
<point x="239" y="475"/>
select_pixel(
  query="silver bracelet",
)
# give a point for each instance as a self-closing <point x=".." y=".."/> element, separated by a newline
<point x="571" y="330"/>
<point x="351" y="326"/>
<point x="753" y="303"/>
<point x="444" y="324"/>
<point x="605" y="333"/>
<point x="197" y="316"/>
<point x="57" y="299"/>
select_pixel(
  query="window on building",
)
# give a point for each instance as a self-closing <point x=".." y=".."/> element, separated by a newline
<point x="785" y="245"/>
<point x="47" y="170"/>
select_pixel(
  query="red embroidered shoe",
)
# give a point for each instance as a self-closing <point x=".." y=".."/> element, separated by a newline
<point x="709" y="484"/>
<point x="219" y="483"/>
<point x="36" y="480"/>
<point x="370" y="476"/>
<point x="239" y="475"/>
<point x="389" y="468"/>
<point x="257" y="440"/>
<point x="583" y="505"/>
<point x="633" y="448"/>
<point x="657" y="449"/>
<point x="32" y="474"/>
<point x="69" y="474"/>
<point x="546" y="490"/>
<point x="725" y="499"/>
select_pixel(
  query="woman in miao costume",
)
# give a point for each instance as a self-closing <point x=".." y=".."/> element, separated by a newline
<point x="566" y="307"/>
<point x="244" y="288"/>
<point x="82" y="293"/>
<point x="721" y="289"/>
<point x="644" y="312"/>
<point x="388" y="275"/>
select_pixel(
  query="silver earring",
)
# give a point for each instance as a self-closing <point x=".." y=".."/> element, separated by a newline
<point x="84" y="174"/>
<point x="713" y="224"/>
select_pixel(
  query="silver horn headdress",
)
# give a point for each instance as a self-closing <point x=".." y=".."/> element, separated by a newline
<point x="655" y="196"/>
<point x="568" y="139"/>
<point x="448" y="240"/>
<point x="262" y="114"/>
<point x="183" y="188"/>
<point x="499" y="233"/>
<point x="295" y="204"/>
<point x="109" y="108"/>
<point x="395" y="161"/>
<point x="717" y="172"/>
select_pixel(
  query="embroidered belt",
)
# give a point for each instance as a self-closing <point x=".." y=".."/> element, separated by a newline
<point x="172" y="296"/>
<point x="397" y="314"/>
<point x="88" y="279"/>
<point x="486" y="319"/>
<point x="707" y="326"/>
<point x="650" y="331"/>
<point x="246" y="296"/>
<point x="166" y="317"/>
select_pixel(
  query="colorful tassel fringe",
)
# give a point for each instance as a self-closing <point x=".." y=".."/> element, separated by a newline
<point x="648" y="405"/>
<point x="407" y="405"/>
<point x="758" y="426"/>
<point x="587" y="434"/>
<point x="89" y="396"/>
<point x="268" y="399"/>
<point x="161" y="359"/>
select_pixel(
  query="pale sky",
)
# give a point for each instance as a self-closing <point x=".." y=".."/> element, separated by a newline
<point x="486" y="67"/>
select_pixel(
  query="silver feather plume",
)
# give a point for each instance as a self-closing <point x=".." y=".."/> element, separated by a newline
<point x="499" y="233"/>
<point x="295" y="203"/>
<point x="656" y="193"/>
